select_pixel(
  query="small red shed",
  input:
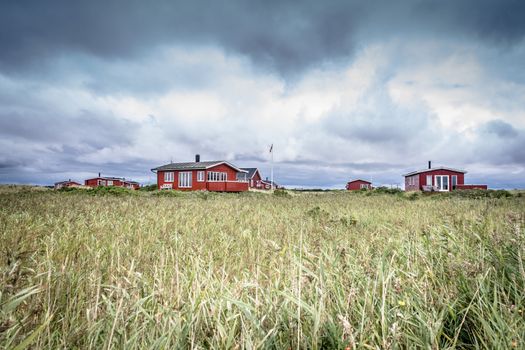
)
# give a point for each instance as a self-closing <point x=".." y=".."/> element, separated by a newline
<point x="358" y="184"/>
<point x="440" y="179"/>
<point x="218" y="176"/>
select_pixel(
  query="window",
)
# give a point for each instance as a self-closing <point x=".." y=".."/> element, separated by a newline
<point x="429" y="180"/>
<point x="454" y="181"/>
<point x="200" y="176"/>
<point x="101" y="182"/>
<point x="110" y="182"/>
<point x="363" y="186"/>
<point x="185" y="179"/>
<point x="168" y="176"/>
<point x="215" y="176"/>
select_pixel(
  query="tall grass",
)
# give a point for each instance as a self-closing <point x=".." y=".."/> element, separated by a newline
<point x="303" y="271"/>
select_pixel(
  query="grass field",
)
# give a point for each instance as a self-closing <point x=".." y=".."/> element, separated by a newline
<point x="233" y="271"/>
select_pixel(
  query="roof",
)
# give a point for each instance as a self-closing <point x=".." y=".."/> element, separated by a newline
<point x="195" y="166"/>
<point x="66" y="182"/>
<point x="368" y="182"/>
<point x="251" y="171"/>
<point x="106" y="178"/>
<point x="433" y="169"/>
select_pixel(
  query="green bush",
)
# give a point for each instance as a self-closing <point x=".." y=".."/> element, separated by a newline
<point x="149" y="188"/>
<point x="281" y="193"/>
<point x="111" y="191"/>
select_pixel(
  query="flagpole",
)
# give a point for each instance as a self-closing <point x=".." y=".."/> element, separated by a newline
<point x="271" y="168"/>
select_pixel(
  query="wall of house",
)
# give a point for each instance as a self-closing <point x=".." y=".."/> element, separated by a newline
<point x="231" y="175"/>
<point x="421" y="179"/>
<point x="94" y="182"/>
<point x="356" y="185"/>
<point x="256" y="181"/>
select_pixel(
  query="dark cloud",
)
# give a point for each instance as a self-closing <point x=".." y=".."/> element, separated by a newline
<point x="287" y="36"/>
<point x="86" y="129"/>
<point x="500" y="128"/>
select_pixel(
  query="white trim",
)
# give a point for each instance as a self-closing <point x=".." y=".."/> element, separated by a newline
<point x="201" y="175"/>
<point x="185" y="180"/>
<point x="169" y="176"/>
<point x="229" y="164"/>
<point x="433" y="169"/>
<point x="440" y="184"/>
<point x="218" y="176"/>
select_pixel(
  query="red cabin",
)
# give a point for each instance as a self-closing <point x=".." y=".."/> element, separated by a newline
<point x="254" y="177"/>
<point x="440" y="179"/>
<point x="218" y="176"/>
<point x="111" y="181"/>
<point x="358" y="184"/>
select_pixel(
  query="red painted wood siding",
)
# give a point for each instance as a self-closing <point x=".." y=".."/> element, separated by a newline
<point x="420" y="179"/>
<point x="117" y="183"/>
<point x="230" y="185"/>
<point x="356" y="185"/>
<point x="256" y="181"/>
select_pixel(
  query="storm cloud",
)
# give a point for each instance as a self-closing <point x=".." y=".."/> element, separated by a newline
<point x="342" y="89"/>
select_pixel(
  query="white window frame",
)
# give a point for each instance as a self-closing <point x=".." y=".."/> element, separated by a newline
<point x="168" y="176"/>
<point x="110" y="182"/>
<point x="453" y="181"/>
<point x="439" y="184"/>
<point x="361" y="186"/>
<point x="217" y="176"/>
<point x="429" y="183"/>
<point x="200" y="176"/>
<point x="185" y="179"/>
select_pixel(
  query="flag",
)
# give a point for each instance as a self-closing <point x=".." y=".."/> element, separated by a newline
<point x="271" y="148"/>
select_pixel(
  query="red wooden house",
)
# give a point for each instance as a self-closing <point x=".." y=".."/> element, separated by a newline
<point x="441" y="179"/>
<point x="111" y="181"/>
<point x="219" y="176"/>
<point x="254" y="178"/>
<point x="358" y="184"/>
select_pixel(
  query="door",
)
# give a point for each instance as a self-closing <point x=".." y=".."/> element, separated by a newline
<point x="442" y="182"/>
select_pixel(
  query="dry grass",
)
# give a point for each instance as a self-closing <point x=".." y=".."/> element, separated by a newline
<point x="327" y="270"/>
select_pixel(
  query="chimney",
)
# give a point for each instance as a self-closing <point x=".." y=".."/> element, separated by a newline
<point x="197" y="158"/>
<point x="98" y="174"/>
<point x="430" y="164"/>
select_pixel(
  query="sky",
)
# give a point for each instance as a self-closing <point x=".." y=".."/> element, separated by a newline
<point x="342" y="89"/>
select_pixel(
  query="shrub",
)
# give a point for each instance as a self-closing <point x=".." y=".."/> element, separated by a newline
<point x="281" y="193"/>
<point x="149" y="188"/>
<point x="112" y="191"/>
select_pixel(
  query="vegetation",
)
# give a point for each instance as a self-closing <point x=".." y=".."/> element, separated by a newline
<point x="83" y="269"/>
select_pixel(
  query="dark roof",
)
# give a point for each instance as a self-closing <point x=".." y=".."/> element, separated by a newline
<point x="432" y="169"/>
<point x="251" y="171"/>
<point x="368" y="182"/>
<point x="107" y="178"/>
<point x="195" y="166"/>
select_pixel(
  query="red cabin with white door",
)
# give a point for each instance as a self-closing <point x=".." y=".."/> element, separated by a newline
<point x="218" y="176"/>
<point x="440" y="179"/>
